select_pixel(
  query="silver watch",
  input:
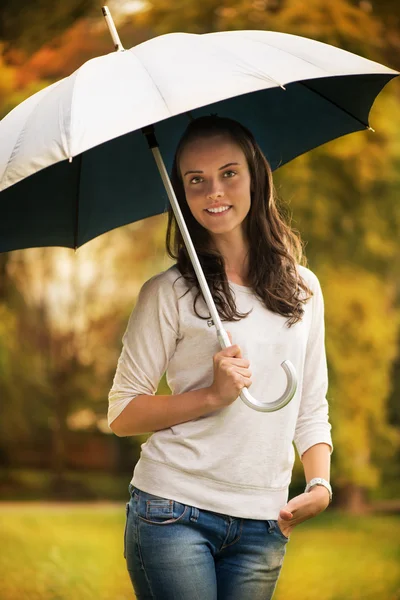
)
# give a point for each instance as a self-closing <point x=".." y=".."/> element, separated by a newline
<point x="320" y="481"/>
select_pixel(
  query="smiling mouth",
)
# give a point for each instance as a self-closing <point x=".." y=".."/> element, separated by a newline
<point x="218" y="212"/>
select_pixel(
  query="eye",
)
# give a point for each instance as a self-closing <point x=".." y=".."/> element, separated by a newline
<point x="229" y="173"/>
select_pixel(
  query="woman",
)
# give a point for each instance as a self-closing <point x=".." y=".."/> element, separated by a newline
<point x="208" y="515"/>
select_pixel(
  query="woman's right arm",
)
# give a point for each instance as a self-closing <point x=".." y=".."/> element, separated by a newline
<point x="148" y="344"/>
<point x="146" y="414"/>
<point x="149" y="413"/>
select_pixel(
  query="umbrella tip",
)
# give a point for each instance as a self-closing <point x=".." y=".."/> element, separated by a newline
<point x="112" y="29"/>
<point x="371" y="129"/>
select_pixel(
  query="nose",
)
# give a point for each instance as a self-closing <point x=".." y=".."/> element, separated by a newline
<point x="214" y="191"/>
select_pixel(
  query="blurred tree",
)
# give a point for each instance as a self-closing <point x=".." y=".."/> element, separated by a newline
<point x="30" y="25"/>
<point x="340" y="23"/>
<point x="7" y="79"/>
<point x="389" y="14"/>
<point x="62" y="56"/>
<point x="361" y="338"/>
<point x="23" y="385"/>
<point x="62" y="339"/>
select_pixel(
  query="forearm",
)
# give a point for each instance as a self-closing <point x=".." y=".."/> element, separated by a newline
<point x="317" y="462"/>
<point x="147" y="413"/>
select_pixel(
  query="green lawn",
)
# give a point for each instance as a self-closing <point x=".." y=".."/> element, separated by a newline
<point x="56" y="552"/>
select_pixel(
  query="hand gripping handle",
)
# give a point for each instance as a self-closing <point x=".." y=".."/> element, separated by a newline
<point x="248" y="399"/>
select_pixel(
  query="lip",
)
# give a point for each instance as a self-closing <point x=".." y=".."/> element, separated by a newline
<point x="219" y="214"/>
<point x="217" y="205"/>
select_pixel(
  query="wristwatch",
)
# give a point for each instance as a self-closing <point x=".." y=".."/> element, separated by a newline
<point x="320" y="481"/>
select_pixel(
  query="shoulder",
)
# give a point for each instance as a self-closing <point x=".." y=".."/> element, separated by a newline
<point x="163" y="283"/>
<point x="309" y="277"/>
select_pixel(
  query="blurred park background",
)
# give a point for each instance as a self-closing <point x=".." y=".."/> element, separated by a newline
<point x="63" y="474"/>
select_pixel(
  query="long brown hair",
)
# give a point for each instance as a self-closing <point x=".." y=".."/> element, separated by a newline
<point x="274" y="247"/>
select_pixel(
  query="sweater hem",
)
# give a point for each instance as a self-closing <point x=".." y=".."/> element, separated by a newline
<point x="204" y="493"/>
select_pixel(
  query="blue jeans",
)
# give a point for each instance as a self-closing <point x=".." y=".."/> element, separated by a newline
<point x="179" y="552"/>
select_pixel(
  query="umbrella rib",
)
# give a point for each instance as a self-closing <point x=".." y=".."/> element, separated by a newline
<point x="259" y="74"/>
<point x="285" y="51"/>
<point x="151" y="79"/>
<point x="366" y="125"/>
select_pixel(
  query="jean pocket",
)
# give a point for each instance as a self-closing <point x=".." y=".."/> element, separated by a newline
<point x="279" y="532"/>
<point x="126" y="527"/>
<point x="159" y="511"/>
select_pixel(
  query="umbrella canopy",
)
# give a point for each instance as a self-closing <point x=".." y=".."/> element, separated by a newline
<point x="74" y="162"/>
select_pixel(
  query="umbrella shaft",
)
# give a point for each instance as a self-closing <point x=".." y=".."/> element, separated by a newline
<point x="112" y="29"/>
<point x="222" y="335"/>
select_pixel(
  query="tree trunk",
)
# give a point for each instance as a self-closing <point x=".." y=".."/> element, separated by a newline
<point x="58" y="483"/>
<point x="352" y="499"/>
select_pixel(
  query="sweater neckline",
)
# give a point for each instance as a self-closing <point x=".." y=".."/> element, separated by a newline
<point x="242" y="288"/>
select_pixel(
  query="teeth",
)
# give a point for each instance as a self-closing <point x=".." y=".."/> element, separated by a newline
<point x="218" y="210"/>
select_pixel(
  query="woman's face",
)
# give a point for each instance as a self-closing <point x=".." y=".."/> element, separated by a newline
<point x="216" y="175"/>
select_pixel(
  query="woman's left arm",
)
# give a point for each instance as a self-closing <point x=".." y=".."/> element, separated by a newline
<point x="312" y="437"/>
<point x="316" y="463"/>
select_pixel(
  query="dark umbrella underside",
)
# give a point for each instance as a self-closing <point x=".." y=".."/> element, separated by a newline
<point x="117" y="183"/>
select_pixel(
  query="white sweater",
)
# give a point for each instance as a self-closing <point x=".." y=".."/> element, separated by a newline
<point x="234" y="461"/>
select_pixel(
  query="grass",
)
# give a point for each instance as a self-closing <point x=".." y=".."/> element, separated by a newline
<point x="56" y="552"/>
<point x="75" y="552"/>
<point x="342" y="557"/>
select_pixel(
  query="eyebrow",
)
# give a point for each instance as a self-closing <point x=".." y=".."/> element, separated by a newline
<point x="220" y="169"/>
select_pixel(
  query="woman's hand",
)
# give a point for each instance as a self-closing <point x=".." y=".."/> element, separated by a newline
<point x="231" y="375"/>
<point x="302" y="507"/>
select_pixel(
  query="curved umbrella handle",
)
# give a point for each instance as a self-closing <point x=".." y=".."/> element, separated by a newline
<point x="282" y="401"/>
<point x="252" y="402"/>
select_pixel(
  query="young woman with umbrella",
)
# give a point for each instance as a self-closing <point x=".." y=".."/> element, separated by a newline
<point x="208" y="515"/>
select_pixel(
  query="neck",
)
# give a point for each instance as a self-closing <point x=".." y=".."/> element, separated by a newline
<point x="235" y="254"/>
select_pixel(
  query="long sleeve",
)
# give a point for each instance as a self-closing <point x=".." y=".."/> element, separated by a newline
<point x="313" y="424"/>
<point x="149" y="343"/>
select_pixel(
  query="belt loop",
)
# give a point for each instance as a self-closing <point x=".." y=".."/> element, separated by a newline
<point x="194" y="514"/>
